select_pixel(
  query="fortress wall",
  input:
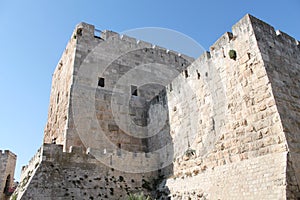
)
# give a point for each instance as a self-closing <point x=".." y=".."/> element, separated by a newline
<point x="74" y="175"/>
<point x="7" y="167"/>
<point x="3" y="163"/>
<point x="230" y="121"/>
<point x="32" y="165"/>
<point x="28" y="171"/>
<point x="159" y="139"/>
<point x="230" y="130"/>
<point x="60" y="95"/>
<point x="281" y="56"/>
<point x="158" y="125"/>
<point x="109" y="116"/>
<point x="258" y="178"/>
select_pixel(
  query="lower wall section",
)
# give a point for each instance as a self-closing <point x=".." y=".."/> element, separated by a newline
<point x="76" y="175"/>
<point x="263" y="177"/>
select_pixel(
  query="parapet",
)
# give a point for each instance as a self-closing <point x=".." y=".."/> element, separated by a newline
<point x="84" y="29"/>
<point x="114" y="158"/>
<point x="53" y="152"/>
<point x="247" y="26"/>
<point x="260" y="26"/>
<point x="7" y="153"/>
<point x="88" y="30"/>
<point x="222" y="41"/>
<point x="287" y="38"/>
<point x="33" y="161"/>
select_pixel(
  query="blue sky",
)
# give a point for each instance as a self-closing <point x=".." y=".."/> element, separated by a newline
<point x="34" y="34"/>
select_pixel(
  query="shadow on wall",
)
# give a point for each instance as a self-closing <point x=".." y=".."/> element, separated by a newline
<point x="161" y="141"/>
<point x="149" y="133"/>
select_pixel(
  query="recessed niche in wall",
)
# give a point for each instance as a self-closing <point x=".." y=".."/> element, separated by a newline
<point x="101" y="82"/>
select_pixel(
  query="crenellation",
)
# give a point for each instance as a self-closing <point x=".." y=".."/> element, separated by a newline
<point x="106" y="34"/>
<point x="97" y="33"/>
<point x="76" y="150"/>
<point x="143" y="44"/>
<point x="259" y="25"/>
<point x="85" y="30"/>
<point x="159" y="48"/>
<point x="32" y="164"/>
<point x="128" y="39"/>
<point x="228" y="120"/>
<point x="256" y="145"/>
<point x="221" y="42"/>
<point x="7" y="153"/>
<point x="82" y="169"/>
<point x="7" y="170"/>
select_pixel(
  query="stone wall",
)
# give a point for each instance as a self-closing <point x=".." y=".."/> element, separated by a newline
<point x="58" y="112"/>
<point x="125" y="112"/>
<point x="78" y="175"/>
<point x="7" y="171"/>
<point x="258" y="178"/>
<point x="75" y="89"/>
<point x="28" y="171"/>
<point x="104" y="112"/>
<point x="281" y="56"/>
<point x="230" y="121"/>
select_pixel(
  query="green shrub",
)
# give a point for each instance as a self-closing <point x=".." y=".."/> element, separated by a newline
<point x="14" y="196"/>
<point x="190" y="152"/>
<point x="232" y="54"/>
<point x="138" y="197"/>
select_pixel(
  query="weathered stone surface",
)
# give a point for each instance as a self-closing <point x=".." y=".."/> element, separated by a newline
<point x="239" y="112"/>
<point x="7" y="171"/>
<point x="77" y="175"/>
<point x="224" y="126"/>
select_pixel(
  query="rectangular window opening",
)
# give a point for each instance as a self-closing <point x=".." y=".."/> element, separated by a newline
<point x="198" y="74"/>
<point x="186" y="73"/>
<point x="119" y="150"/>
<point x="134" y="91"/>
<point x="101" y="82"/>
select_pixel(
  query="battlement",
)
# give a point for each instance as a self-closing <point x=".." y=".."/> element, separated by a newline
<point x="114" y="158"/>
<point x="65" y="171"/>
<point x="88" y="30"/>
<point x="7" y="170"/>
<point x="234" y="110"/>
<point x="33" y="161"/>
<point x="52" y="149"/>
<point x="6" y="153"/>
<point x="260" y="26"/>
<point x="248" y="25"/>
<point x="222" y="41"/>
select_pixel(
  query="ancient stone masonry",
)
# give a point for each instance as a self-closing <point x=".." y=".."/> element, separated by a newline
<point x="78" y="175"/>
<point x="7" y="171"/>
<point x="281" y="56"/>
<point x="235" y="118"/>
<point x="126" y="116"/>
<point x="90" y="59"/>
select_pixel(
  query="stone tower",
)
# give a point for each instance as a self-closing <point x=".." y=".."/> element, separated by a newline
<point x="95" y="79"/>
<point x="7" y="171"/>
<point x="126" y="116"/>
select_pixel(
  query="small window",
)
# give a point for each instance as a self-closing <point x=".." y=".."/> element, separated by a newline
<point x="57" y="99"/>
<point x="186" y="73"/>
<point x="198" y="74"/>
<point x="101" y="82"/>
<point x="119" y="150"/>
<point x="134" y="90"/>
